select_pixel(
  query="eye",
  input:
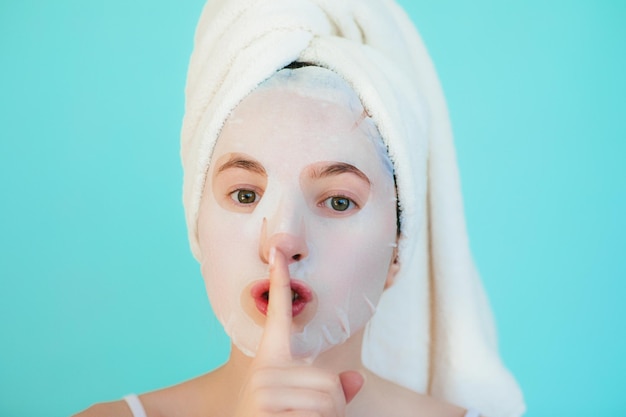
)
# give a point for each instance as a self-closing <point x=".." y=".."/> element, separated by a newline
<point x="244" y="196"/>
<point x="339" y="203"/>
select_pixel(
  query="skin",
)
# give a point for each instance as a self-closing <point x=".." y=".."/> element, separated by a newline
<point x="275" y="382"/>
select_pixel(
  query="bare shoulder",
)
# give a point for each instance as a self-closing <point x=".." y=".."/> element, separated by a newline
<point x="405" y="402"/>
<point x="198" y="396"/>
<point x="204" y="395"/>
<point x="113" y="408"/>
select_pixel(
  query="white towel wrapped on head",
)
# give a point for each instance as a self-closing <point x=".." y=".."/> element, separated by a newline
<point x="433" y="331"/>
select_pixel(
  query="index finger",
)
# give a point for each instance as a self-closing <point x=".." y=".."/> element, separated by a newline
<point x="276" y="340"/>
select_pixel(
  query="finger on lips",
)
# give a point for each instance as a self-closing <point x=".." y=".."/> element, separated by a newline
<point x="276" y="341"/>
<point x="306" y="388"/>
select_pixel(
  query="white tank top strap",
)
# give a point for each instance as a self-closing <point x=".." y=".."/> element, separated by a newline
<point x="134" y="403"/>
<point x="472" y="413"/>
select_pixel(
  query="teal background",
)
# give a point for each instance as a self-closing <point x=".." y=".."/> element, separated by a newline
<point x="100" y="296"/>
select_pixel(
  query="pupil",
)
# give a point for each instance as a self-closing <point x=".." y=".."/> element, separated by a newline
<point x="340" y="203"/>
<point x="246" y="196"/>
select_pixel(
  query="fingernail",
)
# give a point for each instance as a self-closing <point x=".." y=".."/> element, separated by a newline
<point x="272" y="256"/>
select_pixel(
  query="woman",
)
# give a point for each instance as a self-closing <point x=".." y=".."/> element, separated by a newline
<point x="332" y="182"/>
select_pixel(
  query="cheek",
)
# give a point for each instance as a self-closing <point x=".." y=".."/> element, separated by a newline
<point x="229" y="248"/>
<point x="357" y="253"/>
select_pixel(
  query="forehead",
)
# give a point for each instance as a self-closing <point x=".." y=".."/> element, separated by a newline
<point x="301" y="123"/>
<point x="276" y="123"/>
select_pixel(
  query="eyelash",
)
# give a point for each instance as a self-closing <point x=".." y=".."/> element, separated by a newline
<point x="327" y="203"/>
<point x="233" y="195"/>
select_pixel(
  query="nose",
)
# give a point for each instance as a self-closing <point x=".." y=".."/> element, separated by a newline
<point x="285" y="233"/>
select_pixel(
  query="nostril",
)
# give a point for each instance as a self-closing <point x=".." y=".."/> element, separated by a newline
<point x="296" y="257"/>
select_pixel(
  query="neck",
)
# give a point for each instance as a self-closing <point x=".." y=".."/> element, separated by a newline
<point x="346" y="356"/>
<point x="343" y="357"/>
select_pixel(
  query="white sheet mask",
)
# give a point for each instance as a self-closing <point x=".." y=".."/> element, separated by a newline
<point x="291" y="144"/>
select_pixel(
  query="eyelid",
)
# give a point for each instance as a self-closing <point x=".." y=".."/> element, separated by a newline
<point x="244" y="187"/>
<point x="340" y="194"/>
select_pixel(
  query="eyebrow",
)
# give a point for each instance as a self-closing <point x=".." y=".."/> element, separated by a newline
<point x="237" y="161"/>
<point x="339" y="168"/>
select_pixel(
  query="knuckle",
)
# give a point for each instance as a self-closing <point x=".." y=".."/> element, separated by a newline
<point x="253" y="385"/>
<point x="261" y="400"/>
<point x="332" y="382"/>
<point x="259" y="378"/>
<point x="261" y="404"/>
<point x="310" y="413"/>
<point x="325" y="403"/>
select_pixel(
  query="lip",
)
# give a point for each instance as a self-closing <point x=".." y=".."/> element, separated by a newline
<point x="260" y="292"/>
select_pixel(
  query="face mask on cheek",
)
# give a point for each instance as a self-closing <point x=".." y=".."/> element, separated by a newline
<point x="347" y="270"/>
<point x="227" y="270"/>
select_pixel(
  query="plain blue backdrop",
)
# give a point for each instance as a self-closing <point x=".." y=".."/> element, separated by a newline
<point x="100" y="296"/>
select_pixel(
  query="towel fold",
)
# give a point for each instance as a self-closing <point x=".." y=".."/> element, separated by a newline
<point x="433" y="331"/>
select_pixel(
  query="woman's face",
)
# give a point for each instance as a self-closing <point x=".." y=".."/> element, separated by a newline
<point x="306" y="176"/>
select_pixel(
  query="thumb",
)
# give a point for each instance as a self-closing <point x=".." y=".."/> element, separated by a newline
<point x="351" y="382"/>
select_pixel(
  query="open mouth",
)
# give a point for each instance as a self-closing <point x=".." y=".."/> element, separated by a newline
<point x="300" y="296"/>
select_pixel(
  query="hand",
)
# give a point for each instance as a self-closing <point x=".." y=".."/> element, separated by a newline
<point x="277" y="383"/>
